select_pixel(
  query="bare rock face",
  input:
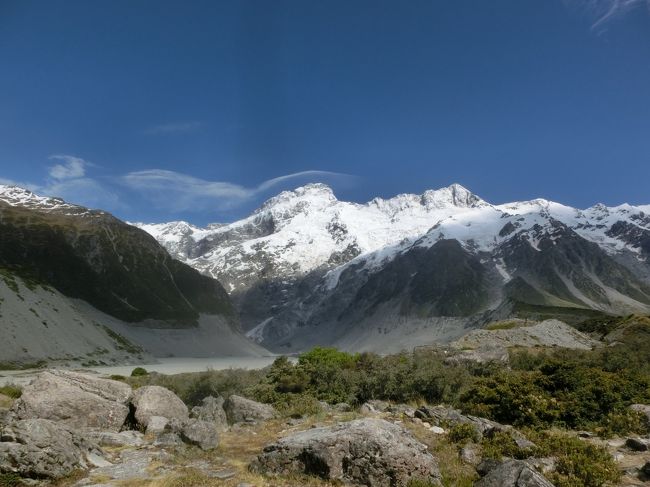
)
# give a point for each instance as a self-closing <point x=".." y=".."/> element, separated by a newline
<point x="109" y="438"/>
<point x="513" y="473"/>
<point x="439" y="415"/>
<point x="156" y="425"/>
<point x="157" y="401"/>
<point x="239" y="410"/>
<point x="200" y="433"/>
<point x="211" y="409"/>
<point x="369" y="451"/>
<point x="40" y="448"/>
<point x="174" y="432"/>
<point x="77" y="400"/>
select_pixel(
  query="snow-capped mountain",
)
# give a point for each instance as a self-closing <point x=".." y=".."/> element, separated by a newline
<point x="17" y="196"/>
<point x="299" y="231"/>
<point x="306" y="266"/>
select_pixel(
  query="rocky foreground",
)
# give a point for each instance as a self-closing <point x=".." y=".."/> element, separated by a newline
<point x="75" y="429"/>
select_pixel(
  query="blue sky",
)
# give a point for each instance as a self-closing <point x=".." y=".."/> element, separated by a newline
<point x="160" y="110"/>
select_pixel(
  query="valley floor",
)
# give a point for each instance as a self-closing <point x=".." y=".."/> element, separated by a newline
<point x="170" y="366"/>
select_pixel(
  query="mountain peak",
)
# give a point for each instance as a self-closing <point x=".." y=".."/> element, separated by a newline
<point x="313" y="194"/>
<point x="453" y="195"/>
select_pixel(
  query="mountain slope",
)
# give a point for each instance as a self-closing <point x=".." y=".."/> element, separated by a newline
<point x="306" y="268"/>
<point x="118" y="272"/>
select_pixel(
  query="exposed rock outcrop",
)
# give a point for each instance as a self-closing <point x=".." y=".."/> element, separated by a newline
<point x="512" y="473"/>
<point x="200" y="433"/>
<point x="157" y="401"/>
<point x="76" y="400"/>
<point x="371" y="452"/>
<point x="211" y="409"/>
<point x="240" y="410"/>
<point x="439" y="415"/>
<point x="549" y="333"/>
<point x="40" y="448"/>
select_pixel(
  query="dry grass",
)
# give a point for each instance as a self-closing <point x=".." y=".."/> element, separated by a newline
<point x="6" y="401"/>
<point x="453" y="471"/>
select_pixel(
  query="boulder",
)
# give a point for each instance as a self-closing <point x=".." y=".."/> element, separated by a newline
<point x="369" y="451"/>
<point x="342" y="407"/>
<point x="110" y="438"/>
<point x="239" y="410"/>
<point x="442" y="415"/>
<point x="40" y="448"/>
<point x="404" y="409"/>
<point x="157" y="401"/>
<point x="211" y="409"/>
<point x="470" y="454"/>
<point x="78" y="400"/>
<point x="203" y="434"/>
<point x="637" y="444"/>
<point x="367" y="408"/>
<point x="511" y="473"/>
<point x="156" y="424"/>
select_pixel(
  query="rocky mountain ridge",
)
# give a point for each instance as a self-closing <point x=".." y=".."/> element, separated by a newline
<point x="79" y="283"/>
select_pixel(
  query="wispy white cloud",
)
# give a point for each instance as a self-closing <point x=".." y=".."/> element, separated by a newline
<point x="68" y="180"/>
<point x="173" y="128"/>
<point x="72" y="179"/>
<point x="85" y="191"/>
<point x="71" y="167"/>
<point x="604" y="11"/>
<point x="180" y="192"/>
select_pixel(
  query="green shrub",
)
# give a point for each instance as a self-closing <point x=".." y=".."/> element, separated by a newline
<point x="139" y="372"/>
<point x="10" y="480"/>
<point x="559" y="389"/>
<point x="121" y="378"/>
<point x="623" y="423"/>
<point x="512" y="398"/>
<point x="462" y="433"/>
<point x="501" y="444"/>
<point x="327" y="357"/>
<point x="579" y="463"/>
<point x="286" y="377"/>
<point x="297" y="405"/>
<point x="13" y="391"/>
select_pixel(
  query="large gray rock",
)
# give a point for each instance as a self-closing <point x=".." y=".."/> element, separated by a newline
<point x="368" y="451"/>
<point x="110" y="438"/>
<point x="78" y="400"/>
<point x="211" y="409"/>
<point x="442" y="415"/>
<point x="513" y="473"/>
<point x="200" y="433"/>
<point x="239" y="410"/>
<point x="157" y="401"/>
<point x="40" y="448"/>
<point x="156" y="425"/>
